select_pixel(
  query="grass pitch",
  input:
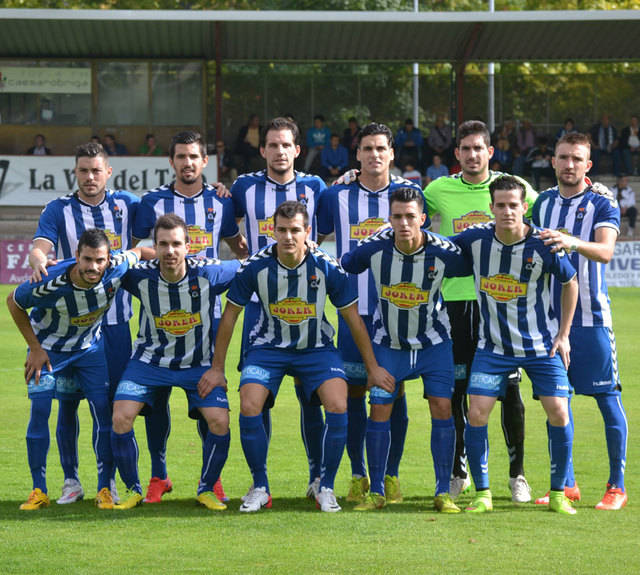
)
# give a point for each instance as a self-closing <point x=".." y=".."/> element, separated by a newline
<point x="177" y="536"/>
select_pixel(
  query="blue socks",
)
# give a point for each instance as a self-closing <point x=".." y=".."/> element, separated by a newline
<point x="333" y="442"/>
<point x="615" y="426"/>
<point x="254" y="444"/>
<point x="443" y="443"/>
<point x="101" y="414"/>
<point x="356" y="432"/>
<point x="125" y="453"/>
<point x="476" y="440"/>
<point x="158" y="426"/>
<point x="399" y="424"/>
<point x="378" y="440"/>
<point x="560" y="441"/>
<point x="311" y="429"/>
<point x="214" y="455"/>
<point x="38" y="441"/>
<point x="67" y="430"/>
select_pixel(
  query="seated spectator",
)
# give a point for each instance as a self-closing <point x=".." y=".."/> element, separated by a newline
<point x="436" y="170"/>
<point x="248" y="143"/>
<point x="569" y="127"/>
<point x="112" y="147"/>
<point x="539" y="160"/>
<point x="317" y="138"/>
<point x="502" y="158"/>
<point x="411" y="174"/>
<point x="335" y="159"/>
<point x="627" y="200"/>
<point x="95" y="139"/>
<point x="227" y="172"/>
<point x="39" y="148"/>
<point x="526" y="140"/>
<point x="604" y="142"/>
<point x="350" y="140"/>
<point x="439" y="141"/>
<point x="150" y="147"/>
<point x="630" y="146"/>
<point x="409" y="145"/>
<point x="394" y="170"/>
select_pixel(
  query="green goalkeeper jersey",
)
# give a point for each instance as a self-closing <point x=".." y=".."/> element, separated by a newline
<point x="462" y="204"/>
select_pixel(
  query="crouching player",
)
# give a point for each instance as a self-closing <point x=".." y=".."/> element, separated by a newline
<point x="66" y="355"/>
<point x="518" y="328"/>
<point x="293" y="337"/>
<point x="174" y="348"/>
<point x="411" y="334"/>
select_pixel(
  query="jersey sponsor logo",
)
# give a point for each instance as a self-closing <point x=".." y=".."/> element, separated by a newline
<point x="365" y="229"/>
<point x="503" y="287"/>
<point x="293" y="310"/>
<point x="88" y="318"/>
<point x="486" y="381"/>
<point x="127" y="387"/>
<point x="266" y="227"/>
<point x="469" y="219"/>
<point x="115" y="241"/>
<point x="255" y="372"/>
<point x="177" y="321"/>
<point x="404" y="295"/>
<point x="199" y="239"/>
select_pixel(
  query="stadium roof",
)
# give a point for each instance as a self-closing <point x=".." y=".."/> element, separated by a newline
<point x="250" y="36"/>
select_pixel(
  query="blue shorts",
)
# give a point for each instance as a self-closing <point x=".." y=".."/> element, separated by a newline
<point x="353" y="365"/>
<point x="489" y="373"/>
<point x="75" y="376"/>
<point x="594" y="360"/>
<point x="267" y="367"/>
<point x="434" y="364"/>
<point x="142" y="381"/>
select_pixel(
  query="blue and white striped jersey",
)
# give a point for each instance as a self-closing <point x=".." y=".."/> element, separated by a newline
<point x="581" y="216"/>
<point x="410" y="313"/>
<point x="66" y="318"/>
<point x="292" y="301"/>
<point x="256" y="196"/>
<point x="64" y="219"/>
<point x="177" y="319"/>
<point x="512" y="286"/>
<point x="354" y="212"/>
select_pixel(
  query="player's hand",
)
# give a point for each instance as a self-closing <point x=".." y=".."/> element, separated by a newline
<point x="40" y="270"/>
<point x="602" y="190"/>
<point x="348" y="177"/>
<point x="557" y="240"/>
<point x="381" y="378"/>
<point x="563" y="347"/>
<point x="312" y="245"/>
<point x="211" y="378"/>
<point x="36" y="358"/>
<point x="221" y="190"/>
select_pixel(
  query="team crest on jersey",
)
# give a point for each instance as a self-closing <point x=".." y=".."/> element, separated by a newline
<point x="199" y="239"/>
<point x="432" y="272"/>
<point x="88" y="318"/>
<point x="530" y="264"/>
<point x="194" y="291"/>
<point x="503" y="287"/>
<point x="177" y="321"/>
<point x="469" y="219"/>
<point x="110" y="291"/>
<point x="314" y="282"/>
<point x="302" y="199"/>
<point x="580" y="213"/>
<point x="211" y="214"/>
<point x="266" y="227"/>
<point x="365" y="229"/>
<point x="117" y="213"/>
<point x="404" y="295"/>
<point x="293" y="310"/>
<point x="115" y="241"/>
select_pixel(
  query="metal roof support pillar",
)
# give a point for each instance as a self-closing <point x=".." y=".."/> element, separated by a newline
<point x="219" y="134"/>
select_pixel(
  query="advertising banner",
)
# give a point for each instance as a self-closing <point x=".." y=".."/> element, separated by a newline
<point x="34" y="80"/>
<point x="624" y="268"/>
<point x="14" y="261"/>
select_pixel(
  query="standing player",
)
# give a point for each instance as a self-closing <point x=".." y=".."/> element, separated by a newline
<point x="255" y="197"/>
<point x="293" y="337"/>
<point x="586" y="225"/>
<point x="410" y="334"/>
<point x="354" y="211"/>
<point x="66" y="355"/>
<point x="209" y="219"/>
<point x="61" y="223"/>
<point x="174" y="347"/>
<point x="518" y="329"/>
<point x="463" y="200"/>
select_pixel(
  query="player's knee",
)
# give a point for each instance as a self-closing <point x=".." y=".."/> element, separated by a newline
<point x="122" y="420"/>
<point x="440" y="407"/>
<point x="478" y="415"/>
<point x="217" y="420"/>
<point x="380" y="412"/>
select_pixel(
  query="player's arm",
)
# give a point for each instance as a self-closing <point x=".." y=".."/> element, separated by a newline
<point x="238" y="245"/>
<point x="568" y="301"/>
<point x="214" y="376"/>
<point x="221" y="190"/>
<point x="376" y="375"/>
<point x="37" y="356"/>
<point x="601" y="250"/>
<point x="144" y="253"/>
<point x="38" y="259"/>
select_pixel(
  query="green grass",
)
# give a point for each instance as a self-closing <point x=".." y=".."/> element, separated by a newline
<point x="179" y="537"/>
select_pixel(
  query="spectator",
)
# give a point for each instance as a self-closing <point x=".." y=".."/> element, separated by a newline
<point x="630" y="145"/>
<point x="569" y="127"/>
<point x="112" y="147"/>
<point x="394" y="170"/>
<point x="409" y="143"/>
<point x="604" y="142"/>
<point x="227" y="172"/>
<point x="526" y="140"/>
<point x="627" y="200"/>
<point x="350" y="140"/>
<point x="95" y="139"/>
<point x="318" y="138"/>
<point x="436" y="170"/>
<point x="335" y="159"/>
<point x="539" y="158"/>
<point x="502" y="156"/>
<point x="39" y="148"/>
<point x="248" y="142"/>
<point x="410" y="173"/>
<point x="150" y="147"/>
<point x="439" y="140"/>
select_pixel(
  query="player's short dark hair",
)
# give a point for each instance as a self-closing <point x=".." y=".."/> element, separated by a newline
<point x="289" y="210"/>
<point x="318" y="117"/>
<point x="375" y="129"/>
<point x="188" y="137"/>
<point x="91" y="150"/>
<point x="471" y="128"/>
<point x="507" y="182"/>
<point x="278" y="124"/>
<point x="93" y="238"/>
<point x="406" y="195"/>
<point x="575" y="139"/>
<point x="171" y="222"/>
